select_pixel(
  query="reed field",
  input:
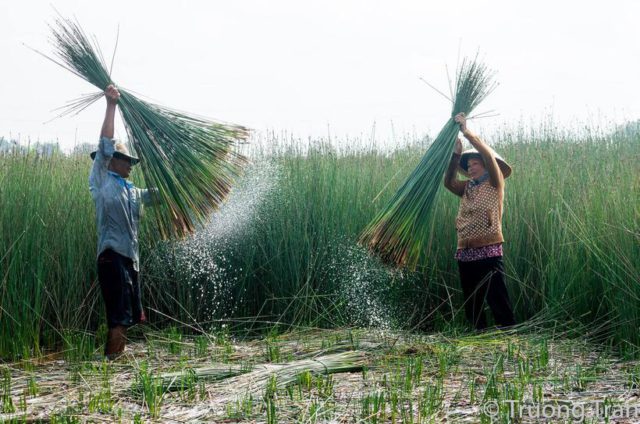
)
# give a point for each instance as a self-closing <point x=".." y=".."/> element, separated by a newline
<point x="283" y="250"/>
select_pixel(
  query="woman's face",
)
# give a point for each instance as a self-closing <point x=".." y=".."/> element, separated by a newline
<point x="475" y="167"/>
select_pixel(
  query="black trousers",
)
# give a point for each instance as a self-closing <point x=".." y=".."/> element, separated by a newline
<point x="484" y="279"/>
<point x="120" y="289"/>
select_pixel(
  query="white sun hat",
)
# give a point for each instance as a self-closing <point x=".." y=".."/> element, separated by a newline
<point x="467" y="154"/>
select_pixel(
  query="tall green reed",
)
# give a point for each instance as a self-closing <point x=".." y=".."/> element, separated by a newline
<point x="571" y="226"/>
<point x="48" y="244"/>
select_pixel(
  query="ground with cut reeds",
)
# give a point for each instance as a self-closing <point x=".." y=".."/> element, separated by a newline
<point x="310" y="375"/>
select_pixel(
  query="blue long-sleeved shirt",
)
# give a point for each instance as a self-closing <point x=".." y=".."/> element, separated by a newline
<point x="118" y="205"/>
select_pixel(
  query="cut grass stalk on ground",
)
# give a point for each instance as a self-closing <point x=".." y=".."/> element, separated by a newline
<point x="408" y="377"/>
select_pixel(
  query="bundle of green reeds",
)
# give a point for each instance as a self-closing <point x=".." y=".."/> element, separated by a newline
<point x="399" y="232"/>
<point x="247" y="378"/>
<point x="181" y="380"/>
<point x="257" y="379"/>
<point x="190" y="160"/>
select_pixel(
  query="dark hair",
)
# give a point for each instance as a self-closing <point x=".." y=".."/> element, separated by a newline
<point x="464" y="162"/>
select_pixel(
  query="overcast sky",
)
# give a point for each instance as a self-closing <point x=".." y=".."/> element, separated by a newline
<point x="313" y="67"/>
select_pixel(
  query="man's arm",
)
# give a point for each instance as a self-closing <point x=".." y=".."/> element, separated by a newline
<point x="112" y="95"/>
<point x="106" y="144"/>
<point x="451" y="181"/>
<point x="490" y="163"/>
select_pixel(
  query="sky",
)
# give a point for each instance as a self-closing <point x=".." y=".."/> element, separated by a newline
<point x="336" y="68"/>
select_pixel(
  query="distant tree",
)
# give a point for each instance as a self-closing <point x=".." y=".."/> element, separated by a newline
<point x="630" y="129"/>
<point x="7" y="146"/>
<point x="46" y="149"/>
<point x="83" y="149"/>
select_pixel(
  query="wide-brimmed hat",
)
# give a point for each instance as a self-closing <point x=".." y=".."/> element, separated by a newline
<point x="467" y="154"/>
<point x="121" y="152"/>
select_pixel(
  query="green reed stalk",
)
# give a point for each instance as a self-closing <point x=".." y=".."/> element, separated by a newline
<point x="399" y="232"/>
<point x="571" y="225"/>
<point x="190" y="160"/>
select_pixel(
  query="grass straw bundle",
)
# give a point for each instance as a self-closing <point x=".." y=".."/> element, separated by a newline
<point x="181" y="380"/>
<point x="257" y="379"/>
<point x="190" y="160"/>
<point x="399" y="232"/>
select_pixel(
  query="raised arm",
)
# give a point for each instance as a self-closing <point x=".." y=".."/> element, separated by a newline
<point x="105" y="150"/>
<point x="490" y="163"/>
<point x="451" y="181"/>
<point x="112" y="95"/>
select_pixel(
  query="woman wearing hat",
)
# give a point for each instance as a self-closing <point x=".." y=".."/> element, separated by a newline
<point x="118" y="209"/>
<point x="479" y="228"/>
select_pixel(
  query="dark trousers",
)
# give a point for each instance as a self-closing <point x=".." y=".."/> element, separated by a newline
<point x="484" y="279"/>
<point x="120" y="289"/>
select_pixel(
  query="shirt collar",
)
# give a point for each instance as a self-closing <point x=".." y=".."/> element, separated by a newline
<point x="121" y="181"/>
<point x="484" y="177"/>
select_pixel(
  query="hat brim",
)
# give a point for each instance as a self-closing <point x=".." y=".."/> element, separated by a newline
<point x="463" y="167"/>
<point x="116" y="154"/>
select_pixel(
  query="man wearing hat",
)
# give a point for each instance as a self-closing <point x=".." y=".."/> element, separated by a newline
<point x="118" y="209"/>
<point x="479" y="228"/>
